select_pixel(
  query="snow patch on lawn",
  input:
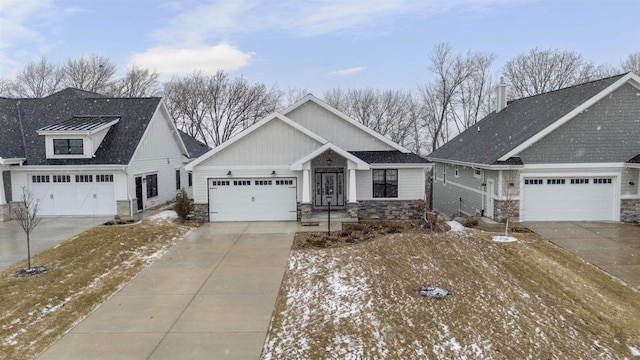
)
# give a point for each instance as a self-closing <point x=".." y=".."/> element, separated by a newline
<point x="163" y="215"/>
<point x="456" y="226"/>
<point x="634" y="351"/>
<point x="503" y="239"/>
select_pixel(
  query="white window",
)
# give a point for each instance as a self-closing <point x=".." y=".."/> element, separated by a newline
<point x="579" y="181"/>
<point x="477" y="173"/>
<point x="40" y="179"/>
<point x="602" y="181"/>
<point x="533" y="182"/>
<point x="84" y="178"/>
<point x="555" y="181"/>
<point x="457" y="173"/>
<point x="68" y="147"/>
<point x="62" y="178"/>
<point x="104" y="178"/>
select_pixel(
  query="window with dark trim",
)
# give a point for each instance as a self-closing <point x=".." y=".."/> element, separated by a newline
<point x="68" y="147"/>
<point x="152" y="185"/>
<point x="178" y="179"/>
<point x="190" y="179"/>
<point x="385" y="183"/>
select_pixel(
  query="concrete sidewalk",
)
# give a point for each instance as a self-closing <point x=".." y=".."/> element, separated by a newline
<point x="210" y="297"/>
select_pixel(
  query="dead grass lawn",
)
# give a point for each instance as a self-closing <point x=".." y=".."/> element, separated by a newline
<point x="83" y="272"/>
<point x="522" y="300"/>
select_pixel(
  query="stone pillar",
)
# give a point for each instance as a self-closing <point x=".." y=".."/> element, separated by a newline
<point x="306" y="193"/>
<point x="353" y="195"/>
<point x="306" y="210"/>
<point x="352" y="210"/>
<point x="201" y="212"/>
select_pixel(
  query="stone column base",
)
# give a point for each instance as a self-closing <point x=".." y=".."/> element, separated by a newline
<point x="306" y="210"/>
<point x="201" y="212"/>
<point x="352" y="210"/>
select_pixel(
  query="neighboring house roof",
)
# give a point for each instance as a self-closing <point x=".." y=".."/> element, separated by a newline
<point x="389" y="157"/>
<point x="82" y="123"/>
<point x="20" y="120"/>
<point x="194" y="146"/>
<point x="500" y="136"/>
<point x="635" y="160"/>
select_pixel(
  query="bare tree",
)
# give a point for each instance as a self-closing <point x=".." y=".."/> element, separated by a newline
<point x="474" y="97"/>
<point x="215" y="107"/>
<point x="510" y="205"/>
<point x="450" y="71"/>
<point x="37" y="80"/>
<point x="540" y="71"/>
<point x="631" y="63"/>
<point x="26" y="216"/>
<point x="137" y="82"/>
<point x="92" y="73"/>
<point x="5" y="87"/>
<point x="294" y="94"/>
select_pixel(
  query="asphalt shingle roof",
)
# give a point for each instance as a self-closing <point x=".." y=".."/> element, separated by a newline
<point x="500" y="132"/>
<point x="635" y="160"/>
<point x="116" y="148"/>
<point x="194" y="146"/>
<point x="389" y="157"/>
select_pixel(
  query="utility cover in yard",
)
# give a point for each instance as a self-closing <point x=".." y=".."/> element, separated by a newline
<point x="433" y="292"/>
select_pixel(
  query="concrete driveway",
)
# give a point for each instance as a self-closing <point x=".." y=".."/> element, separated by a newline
<point x="211" y="296"/>
<point x="50" y="232"/>
<point x="613" y="247"/>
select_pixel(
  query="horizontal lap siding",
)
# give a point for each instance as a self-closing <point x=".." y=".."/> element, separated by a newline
<point x="411" y="183"/>
<point x="446" y="197"/>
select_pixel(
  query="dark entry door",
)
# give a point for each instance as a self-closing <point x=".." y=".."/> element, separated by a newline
<point x="139" y="199"/>
<point x="329" y="184"/>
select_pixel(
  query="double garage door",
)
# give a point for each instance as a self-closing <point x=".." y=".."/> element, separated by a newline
<point x="584" y="198"/>
<point x="74" y="194"/>
<point x="252" y="199"/>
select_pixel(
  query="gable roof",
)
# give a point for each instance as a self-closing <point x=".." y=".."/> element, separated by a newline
<point x="298" y="165"/>
<point x="20" y="120"/>
<point x="503" y="135"/>
<point x="346" y="118"/>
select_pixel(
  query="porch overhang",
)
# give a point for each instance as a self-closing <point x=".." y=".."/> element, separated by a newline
<point x="353" y="162"/>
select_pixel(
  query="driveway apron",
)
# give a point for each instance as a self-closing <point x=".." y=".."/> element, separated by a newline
<point x="613" y="247"/>
<point x="211" y="296"/>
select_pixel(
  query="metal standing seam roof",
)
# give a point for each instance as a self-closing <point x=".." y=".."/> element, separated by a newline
<point x="500" y="132"/>
<point x="82" y="123"/>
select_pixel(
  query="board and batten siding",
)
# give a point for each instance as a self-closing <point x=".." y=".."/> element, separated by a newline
<point x="335" y="129"/>
<point x="157" y="153"/>
<point x="275" y="143"/>
<point x="411" y="184"/>
<point x="608" y="131"/>
<point x="201" y="175"/>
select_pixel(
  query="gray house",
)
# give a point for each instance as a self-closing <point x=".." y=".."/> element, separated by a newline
<point x="81" y="153"/>
<point x="570" y="154"/>
<point x="303" y="160"/>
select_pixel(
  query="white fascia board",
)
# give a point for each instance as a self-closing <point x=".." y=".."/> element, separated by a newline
<point x="632" y="166"/>
<point x="576" y="166"/>
<point x="631" y="78"/>
<point x="172" y="125"/>
<point x="251" y="129"/>
<point x="360" y="165"/>
<point x="476" y="165"/>
<point x="346" y="118"/>
<point x="12" y="161"/>
<point x="55" y="168"/>
<point x="401" y="165"/>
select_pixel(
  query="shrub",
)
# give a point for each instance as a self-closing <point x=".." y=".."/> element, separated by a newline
<point x="183" y="205"/>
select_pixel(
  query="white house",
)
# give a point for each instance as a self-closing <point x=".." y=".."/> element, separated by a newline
<point x="569" y="154"/>
<point x="81" y="153"/>
<point x="305" y="159"/>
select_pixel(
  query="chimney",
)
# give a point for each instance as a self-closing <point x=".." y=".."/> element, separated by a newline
<point x="501" y="94"/>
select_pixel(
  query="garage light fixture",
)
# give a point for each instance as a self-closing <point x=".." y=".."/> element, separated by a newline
<point x="229" y="173"/>
<point x="631" y="183"/>
<point x="273" y="173"/>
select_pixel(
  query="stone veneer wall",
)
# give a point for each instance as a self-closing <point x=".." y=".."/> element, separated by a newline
<point x="389" y="209"/>
<point x="630" y="210"/>
<point x="123" y="208"/>
<point x="201" y="212"/>
<point x="352" y="210"/>
<point x="499" y="212"/>
<point x="305" y="211"/>
<point x="5" y="212"/>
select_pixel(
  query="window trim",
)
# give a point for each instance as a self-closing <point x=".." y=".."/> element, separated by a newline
<point x="457" y="171"/>
<point x="178" y="180"/>
<point x="151" y="190"/>
<point x="387" y="185"/>
<point x="68" y="147"/>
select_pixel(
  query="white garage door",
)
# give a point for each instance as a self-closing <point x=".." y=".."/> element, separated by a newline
<point x="65" y="195"/>
<point x="256" y="199"/>
<point x="568" y="199"/>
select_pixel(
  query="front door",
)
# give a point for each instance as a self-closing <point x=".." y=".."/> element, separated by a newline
<point x="139" y="199"/>
<point x="329" y="185"/>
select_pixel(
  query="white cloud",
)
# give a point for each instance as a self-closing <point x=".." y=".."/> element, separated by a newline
<point x="349" y="71"/>
<point x="169" y="61"/>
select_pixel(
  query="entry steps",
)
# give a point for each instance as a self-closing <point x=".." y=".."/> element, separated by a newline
<point x="321" y="217"/>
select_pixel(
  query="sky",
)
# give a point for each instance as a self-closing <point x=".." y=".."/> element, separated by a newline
<point x="312" y="45"/>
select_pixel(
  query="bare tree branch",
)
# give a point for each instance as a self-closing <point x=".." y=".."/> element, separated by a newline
<point x="26" y="216"/>
<point x="92" y="73"/>
<point x="37" y="80"/>
<point x="137" y="82"/>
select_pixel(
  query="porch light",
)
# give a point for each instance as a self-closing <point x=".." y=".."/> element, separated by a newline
<point x="229" y="173"/>
<point x="273" y="173"/>
<point x="483" y="184"/>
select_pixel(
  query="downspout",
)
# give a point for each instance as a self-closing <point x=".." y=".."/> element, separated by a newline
<point x="126" y="176"/>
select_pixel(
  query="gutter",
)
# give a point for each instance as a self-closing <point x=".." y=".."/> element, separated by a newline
<point x="476" y="165"/>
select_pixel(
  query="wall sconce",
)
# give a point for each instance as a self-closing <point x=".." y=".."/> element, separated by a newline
<point x="273" y="173"/>
<point x="631" y="183"/>
<point x="229" y="173"/>
<point x="168" y="162"/>
<point x="511" y="184"/>
<point x="329" y="161"/>
<point x="483" y="184"/>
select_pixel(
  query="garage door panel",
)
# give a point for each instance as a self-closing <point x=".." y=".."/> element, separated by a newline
<point x="251" y="200"/>
<point x="557" y="199"/>
<point x="62" y="196"/>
